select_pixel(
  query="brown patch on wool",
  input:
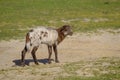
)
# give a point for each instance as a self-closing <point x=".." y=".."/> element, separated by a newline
<point x="27" y="37"/>
<point x="31" y="30"/>
<point x="42" y="32"/>
<point x="40" y="37"/>
<point x="45" y="34"/>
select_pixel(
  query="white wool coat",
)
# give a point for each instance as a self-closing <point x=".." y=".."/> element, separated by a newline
<point x="43" y="35"/>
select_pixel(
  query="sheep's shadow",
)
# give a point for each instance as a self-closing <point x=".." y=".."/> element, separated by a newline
<point x="17" y="62"/>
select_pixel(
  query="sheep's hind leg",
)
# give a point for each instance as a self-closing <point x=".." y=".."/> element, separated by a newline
<point x="23" y="56"/>
<point x="33" y="54"/>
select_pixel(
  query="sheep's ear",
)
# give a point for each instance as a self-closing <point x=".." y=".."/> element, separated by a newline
<point x="61" y="29"/>
<point x="65" y="26"/>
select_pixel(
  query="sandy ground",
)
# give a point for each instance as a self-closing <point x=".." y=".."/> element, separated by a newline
<point x="75" y="48"/>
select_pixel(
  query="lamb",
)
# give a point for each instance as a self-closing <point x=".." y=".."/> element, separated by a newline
<point x="43" y="35"/>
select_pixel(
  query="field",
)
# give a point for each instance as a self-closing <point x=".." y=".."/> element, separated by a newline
<point x="18" y="16"/>
<point x="92" y="53"/>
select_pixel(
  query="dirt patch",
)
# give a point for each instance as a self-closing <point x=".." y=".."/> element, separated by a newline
<point x="86" y="20"/>
<point x="72" y="49"/>
<point x="75" y="48"/>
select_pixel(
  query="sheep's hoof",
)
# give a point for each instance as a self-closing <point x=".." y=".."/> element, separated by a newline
<point x="57" y="61"/>
<point x="36" y="63"/>
<point x="22" y="64"/>
<point x="49" y="62"/>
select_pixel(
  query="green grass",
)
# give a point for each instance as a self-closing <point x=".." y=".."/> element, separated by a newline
<point x="106" y="68"/>
<point x="109" y="76"/>
<point x="17" y="16"/>
<point x="100" y="69"/>
<point x="102" y="77"/>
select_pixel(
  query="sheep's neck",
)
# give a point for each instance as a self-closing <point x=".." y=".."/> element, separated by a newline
<point x="61" y="37"/>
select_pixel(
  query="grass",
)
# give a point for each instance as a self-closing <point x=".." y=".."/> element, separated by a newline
<point x="102" y="77"/>
<point x="101" y="69"/>
<point x="17" y="16"/>
<point x="106" y="68"/>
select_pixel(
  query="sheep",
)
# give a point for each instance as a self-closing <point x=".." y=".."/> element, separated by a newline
<point x="43" y="35"/>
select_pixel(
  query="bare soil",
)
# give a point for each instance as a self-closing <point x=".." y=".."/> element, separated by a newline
<point x="75" y="48"/>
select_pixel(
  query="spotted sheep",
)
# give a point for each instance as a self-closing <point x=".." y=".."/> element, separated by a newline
<point x="43" y="35"/>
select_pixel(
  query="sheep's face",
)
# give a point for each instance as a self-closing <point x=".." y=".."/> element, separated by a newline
<point x="66" y="29"/>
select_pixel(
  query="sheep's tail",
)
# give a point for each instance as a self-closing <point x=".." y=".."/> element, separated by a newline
<point x="27" y="47"/>
<point x="27" y="44"/>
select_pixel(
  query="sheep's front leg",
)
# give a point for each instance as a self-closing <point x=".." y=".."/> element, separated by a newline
<point x="56" y="53"/>
<point x="50" y="53"/>
<point x="33" y="54"/>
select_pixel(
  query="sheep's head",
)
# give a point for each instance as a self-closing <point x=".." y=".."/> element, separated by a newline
<point x="66" y="30"/>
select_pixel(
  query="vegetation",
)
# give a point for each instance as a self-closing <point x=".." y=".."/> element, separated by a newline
<point x="101" y="69"/>
<point x="18" y="16"/>
<point x="105" y="68"/>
